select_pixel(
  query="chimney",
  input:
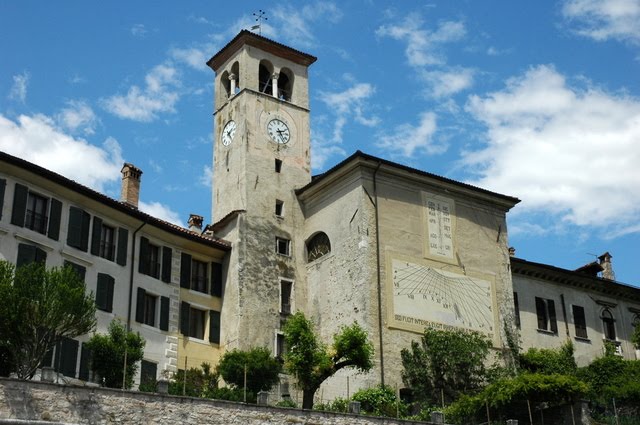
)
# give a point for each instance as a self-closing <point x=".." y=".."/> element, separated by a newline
<point x="512" y="251"/>
<point x="130" y="192"/>
<point x="195" y="223"/>
<point x="607" y="269"/>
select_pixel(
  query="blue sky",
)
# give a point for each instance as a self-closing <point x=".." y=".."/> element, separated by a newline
<point x="537" y="99"/>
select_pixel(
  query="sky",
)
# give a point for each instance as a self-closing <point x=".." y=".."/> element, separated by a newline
<point x="539" y="100"/>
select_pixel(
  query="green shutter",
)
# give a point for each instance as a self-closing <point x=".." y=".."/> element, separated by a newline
<point x="164" y="313"/>
<point x="216" y="279"/>
<point x="185" y="271"/>
<point x="214" y="327"/>
<point x="123" y="242"/>
<point x="140" y="305"/>
<point x="167" y="255"/>
<point x="26" y="254"/>
<point x="66" y="357"/>
<point x="110" y="288"/>
<point x="80" y="270"/>
<point x="55" y="215"/>
<point x="143" y="260"/>
<point x="3" y="183"/>
<point x="185" y="310"/>
<point x="102" y="292"/>
<point x="96" y="235"/>
<point x="19" y="205"/>
<point x="552" y="316"/>
<point x="85" y="357"/>
<point x="78" y="229"/>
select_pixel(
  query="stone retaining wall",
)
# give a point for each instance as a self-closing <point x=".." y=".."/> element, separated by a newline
<point x="38" y="401"/>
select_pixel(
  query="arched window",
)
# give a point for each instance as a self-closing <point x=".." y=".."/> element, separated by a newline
<point x="285" y="84"/>
<point x="235" y="71"/>
<point x="265" y="73"/>
<point x="225" y="84"/>
<point x="318" y="246"/>
<point x="608" y="325"/>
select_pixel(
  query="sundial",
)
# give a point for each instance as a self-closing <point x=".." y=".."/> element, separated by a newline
<point x="428" y="296"/>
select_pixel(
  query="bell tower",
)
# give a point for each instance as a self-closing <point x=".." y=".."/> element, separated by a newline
<point x="261" y="155"/>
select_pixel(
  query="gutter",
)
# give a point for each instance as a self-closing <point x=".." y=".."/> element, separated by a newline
<point x="375" y="195"/>
<point x="133" y="254"/>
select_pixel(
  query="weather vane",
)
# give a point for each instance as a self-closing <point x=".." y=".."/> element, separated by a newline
<point x="260" y="16"/>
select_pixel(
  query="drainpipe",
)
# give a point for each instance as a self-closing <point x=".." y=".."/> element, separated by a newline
<point x="375" y="195"/>
<point x="133" y="254"/>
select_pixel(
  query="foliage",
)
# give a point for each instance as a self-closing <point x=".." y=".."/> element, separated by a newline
<point x="39" y="307"/>
<point x="200" y="382"/>
<point x="233" y="394"/>
<point x="287" y="403"/>
<point x="339" y="405"/>
<point x="504" y="395"/>
<point x="380" y="401"/>
<point x="550" y="361"/>
<point x="613" y="377"/>
<point x="446" y="363"/>
<point x="311" y="362"/>
<point x="261" y="367"/>
<point x="635" y="337"/>
<point x="108" y="354"/>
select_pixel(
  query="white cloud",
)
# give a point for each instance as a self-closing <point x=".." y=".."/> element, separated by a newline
<point x="206" y="178"/>
<point x="447" y="83"/>
<point x="347" y="104"/>
<point x="78" y="116"/>
<point x="423" y="46"/>
<point x="19" y="88"/>
<point x="37" y="139"/>
<point x="296" y="21"/>
<point x="138" y="30"/>
<point x="161" y="211"/>
<point x="568" y="151"/>
<point x="195" y="57"/>
<point x="144" y="104"/>
<point x="605" y="19"/>
<point x="407" y="139"/>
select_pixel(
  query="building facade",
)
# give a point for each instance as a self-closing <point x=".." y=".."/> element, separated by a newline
<point x="158" y="279"/>
<point x="394" y="248"/>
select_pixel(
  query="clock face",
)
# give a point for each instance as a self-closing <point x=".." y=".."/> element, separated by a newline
<point x="228" y="132"/>
<point x="278" y="131"/>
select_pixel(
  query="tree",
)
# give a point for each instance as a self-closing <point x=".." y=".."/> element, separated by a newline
<point x="549" y="361"/>
<point x="108" y="354"/>
<point x="261" y="368"/>
<point x="39" y="307"/>
<point x="311" y="362"/>
<point x="202" y="382"/>
<point x="445" y="364"/>
<point x="635" y="337"/>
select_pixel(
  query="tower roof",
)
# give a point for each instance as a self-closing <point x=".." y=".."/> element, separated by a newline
<point x="263" y="43"/>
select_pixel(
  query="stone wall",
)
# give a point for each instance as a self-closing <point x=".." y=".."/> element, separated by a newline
<point x="38" y="401"/>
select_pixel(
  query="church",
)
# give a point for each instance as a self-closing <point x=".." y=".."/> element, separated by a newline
<point x="394" y="248"/>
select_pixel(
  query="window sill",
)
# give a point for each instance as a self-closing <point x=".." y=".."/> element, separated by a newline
<point x="546" y="332"/>
<point x="582" y="339"/>
<point x="199" y="293"/>
<point x="196" y="340"/>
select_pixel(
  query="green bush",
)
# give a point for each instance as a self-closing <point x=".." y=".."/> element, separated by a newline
<point x="380" y="401"/>
<point x="549" y="361"/>
<point x="200" y="382"/>
<point x="339" y="405"/>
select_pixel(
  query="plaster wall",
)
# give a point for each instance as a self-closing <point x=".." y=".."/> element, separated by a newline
<point x="586" y="349"/>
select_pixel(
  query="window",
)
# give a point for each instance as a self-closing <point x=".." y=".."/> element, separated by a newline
<point x="3" y="184"/>
<point x="283" y="246"/>
<point x="318" y="246"/>
<point x="546" y="312"/>
<point x="148" y="372"/>
<point x="150" y="260"/>
<point x="285" y="296"/>
<point x="280" y="346"/>
<point x="608" y="325"/>
<point x="579" y="321"/>
<point x="278" y="165"/>
<point x="81" y="271"/>
<point x="199" y="276"/>
<point x="107" y="245"/>
<point x="516" y="306"/>
<point x="279" y="208"/>
<point x="104" y="293"/>
<point x="146" y="305"/>
<point x="66" y="357"/>
<point x="36" y="212"/>
<point x="36" y="218"/>
<point x="28" y="254"/>
<point x="216" y="279"/>
<point x="193" y="323"/>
